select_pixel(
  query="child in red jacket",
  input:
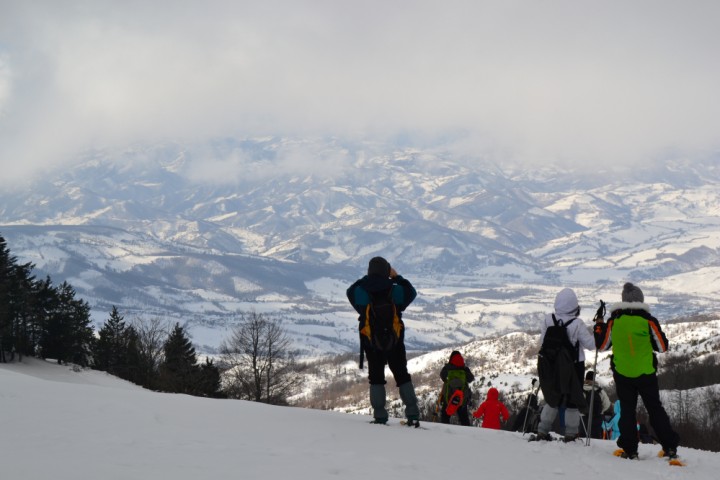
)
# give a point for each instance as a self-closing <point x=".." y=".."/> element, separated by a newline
<point x="491" y="410"/>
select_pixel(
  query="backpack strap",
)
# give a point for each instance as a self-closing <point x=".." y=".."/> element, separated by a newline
<point x="559" y="323"/>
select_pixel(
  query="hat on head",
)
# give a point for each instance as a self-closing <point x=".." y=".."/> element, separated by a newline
<point x="379" y="266"/>
<point x="631" y="293"/>
<point x="457" y="359"/>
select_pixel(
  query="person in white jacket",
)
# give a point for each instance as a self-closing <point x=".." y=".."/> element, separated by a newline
<point x="567" y="313"/>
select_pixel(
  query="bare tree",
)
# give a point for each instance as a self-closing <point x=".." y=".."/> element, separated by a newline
<point x="151" y="336"/>
<point x="258" y="363"/>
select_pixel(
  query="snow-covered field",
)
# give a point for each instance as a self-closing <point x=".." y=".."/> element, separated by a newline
<point x="63" y="424"/>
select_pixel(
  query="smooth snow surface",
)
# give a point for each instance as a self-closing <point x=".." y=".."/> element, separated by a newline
<point x="59" y="424"/>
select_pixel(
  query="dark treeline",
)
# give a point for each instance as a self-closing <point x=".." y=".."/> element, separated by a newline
<point x="146" y="354"/>
<point x="694" y="411"/>
<point x="683" y="372"/>
<point x="41" y="320"/>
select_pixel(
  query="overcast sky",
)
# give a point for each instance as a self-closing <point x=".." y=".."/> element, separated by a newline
<point x="572" y="81"/>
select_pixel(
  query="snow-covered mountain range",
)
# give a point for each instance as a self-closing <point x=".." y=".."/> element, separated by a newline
<point x="291" y="223"/>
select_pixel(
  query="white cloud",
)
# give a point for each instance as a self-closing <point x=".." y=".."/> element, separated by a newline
<point x="5" y="81"/>
<point x="532" y="81"/>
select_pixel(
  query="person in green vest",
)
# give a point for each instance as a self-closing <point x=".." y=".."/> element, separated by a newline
<point x="634" y="336"/>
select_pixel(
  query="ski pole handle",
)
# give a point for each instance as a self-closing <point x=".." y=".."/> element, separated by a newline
<point x="600" y="313"/>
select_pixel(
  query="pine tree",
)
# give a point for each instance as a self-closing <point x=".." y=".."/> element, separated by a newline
<point x="139" y="368"/>
<point x="39" y="319"/>
<point x="208" y="384"/>
<point x="25" y="302"/>
<point x="7" y="284"/>
<point x="110" y="352"/>
<point x="68" y="334"/>
<point x="178" y="371"/>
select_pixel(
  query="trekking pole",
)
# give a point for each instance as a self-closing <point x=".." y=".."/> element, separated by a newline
<point x="585" y="428"/>
<point x="599" y="315"/>
<point x="527" y="407"/>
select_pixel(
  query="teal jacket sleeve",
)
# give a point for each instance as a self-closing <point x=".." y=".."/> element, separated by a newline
<point x="403" y="292"/>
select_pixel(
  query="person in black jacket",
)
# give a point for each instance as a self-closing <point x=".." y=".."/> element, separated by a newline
<point x="381" y="287"/>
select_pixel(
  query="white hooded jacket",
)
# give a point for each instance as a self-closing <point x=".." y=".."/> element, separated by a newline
<point x="566" y="309"/>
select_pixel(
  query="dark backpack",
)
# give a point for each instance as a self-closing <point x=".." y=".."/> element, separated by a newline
<point x="556" y="367"/>
<point x="556" y="341"/>
<point x="381" y="329"/>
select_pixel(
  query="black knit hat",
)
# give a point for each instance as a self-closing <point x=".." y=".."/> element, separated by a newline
<point x="379" y="266"/>
<point x="631" y="293"/>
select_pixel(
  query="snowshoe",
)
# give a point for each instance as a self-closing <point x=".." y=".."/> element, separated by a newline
<point x="672" y="457"/>
<point x="454" y="403"/>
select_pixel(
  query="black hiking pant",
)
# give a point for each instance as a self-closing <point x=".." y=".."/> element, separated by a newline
<point x="396" y="359"/>
<point x="628" y="390"/>
<point x="462" y="414"/>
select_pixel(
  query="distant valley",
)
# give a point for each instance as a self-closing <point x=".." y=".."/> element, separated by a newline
<point x="486" y="247"/>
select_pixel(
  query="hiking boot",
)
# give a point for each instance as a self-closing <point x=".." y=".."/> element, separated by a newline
<point x="670" y="453"/>
<point x="630" y="456"/>
<point x="569" y="438"/>
<point x="380" y="421"/>
<point x="540" y="436"/>
<point x="413" y="422"/>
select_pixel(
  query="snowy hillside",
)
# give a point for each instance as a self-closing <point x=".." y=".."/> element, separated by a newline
<point x="486" y="247"/>
<point x="509" y="363"/>
<point x="67" y="425"/>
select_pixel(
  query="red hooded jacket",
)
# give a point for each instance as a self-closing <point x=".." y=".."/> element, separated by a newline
<point x="491" y="410"/>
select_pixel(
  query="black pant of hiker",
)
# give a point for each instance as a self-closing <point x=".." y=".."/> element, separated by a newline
<point x="462" y="414"/>
<point x="396" y="359"/>
<point x="628" y="390"/>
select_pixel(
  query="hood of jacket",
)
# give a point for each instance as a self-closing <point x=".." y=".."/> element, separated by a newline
<point x="566" y="305"/>
<point x="492" y="394"/>
<point x="629" y="306"/>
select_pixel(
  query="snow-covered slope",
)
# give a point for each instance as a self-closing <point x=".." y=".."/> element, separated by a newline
<point x="67" y="425"/>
